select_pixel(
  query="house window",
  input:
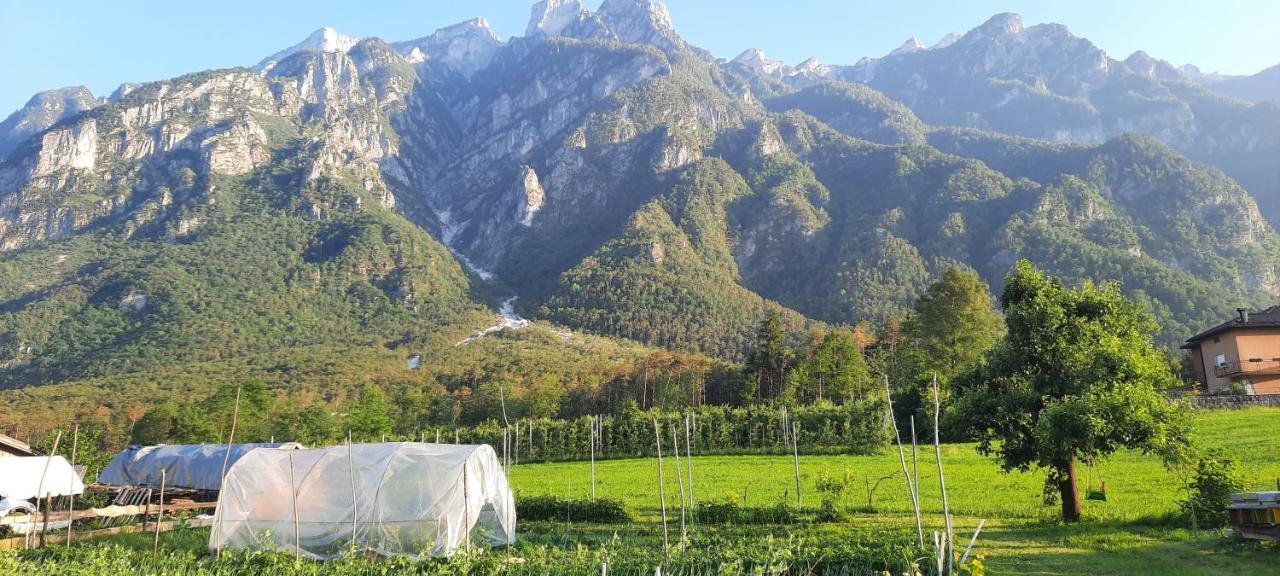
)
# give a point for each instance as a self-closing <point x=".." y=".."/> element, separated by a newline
<point x="1216" y="339"/>
<point x="1220" y="360"/>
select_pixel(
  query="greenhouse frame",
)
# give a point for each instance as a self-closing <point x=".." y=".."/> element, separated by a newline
<point x="393" y="499"/>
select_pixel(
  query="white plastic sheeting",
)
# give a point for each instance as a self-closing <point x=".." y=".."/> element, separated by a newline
<point x="190" y="466"/>
<point x="403" y="498"/>
<point x="20" y="477"/>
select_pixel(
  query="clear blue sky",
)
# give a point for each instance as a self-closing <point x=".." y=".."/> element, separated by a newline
<point x="101" y="43"/>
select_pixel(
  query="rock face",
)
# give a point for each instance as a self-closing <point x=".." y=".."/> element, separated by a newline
<point x="531" y="196"/>
<point x="42" y="111"/>
<point x="465" y="47"/>
<point x="602" y="148"/>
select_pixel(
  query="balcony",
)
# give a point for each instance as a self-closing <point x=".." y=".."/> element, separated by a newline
<point x="1247" y="367"/>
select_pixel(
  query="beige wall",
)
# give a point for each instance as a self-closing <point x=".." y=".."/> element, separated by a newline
<point x="1240" y="345"/>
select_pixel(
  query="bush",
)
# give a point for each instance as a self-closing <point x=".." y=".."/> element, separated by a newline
<point x="1215" y="480"/>
<point x="728" y="512"/>
<point x="603" y="510"/>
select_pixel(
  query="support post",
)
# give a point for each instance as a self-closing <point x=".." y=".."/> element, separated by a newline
<point x="40" y="486"/>
<point x="351" y="475"/>
<point x="71" y="501"/>
<point x="293" y="493"/>
<point x="226" y="456"/>
<point x="688" y="459"/>
<point x="795" y="449"/>
<point x="155" y="545"/>
<point x="902" y="459"/>
<point x="593" y="459"/>
<point x="675" y="446"/>
<point x="662" y="494"/>
<point x="942" y="478"/>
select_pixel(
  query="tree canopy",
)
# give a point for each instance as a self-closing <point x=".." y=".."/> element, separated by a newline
<point x="1076" y="378"/>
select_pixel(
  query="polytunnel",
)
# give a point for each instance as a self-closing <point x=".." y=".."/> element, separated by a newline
<point x="403" y="498"/>
<point x="186" y="466"/>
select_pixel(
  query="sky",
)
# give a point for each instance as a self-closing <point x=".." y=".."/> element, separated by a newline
<point x="102" y="43"/>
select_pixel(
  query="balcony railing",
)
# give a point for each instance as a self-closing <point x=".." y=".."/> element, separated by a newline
<point x="1240" y="367"/>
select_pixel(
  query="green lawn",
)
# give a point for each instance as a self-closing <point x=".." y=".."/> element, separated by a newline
<point x="1136" y="531"/>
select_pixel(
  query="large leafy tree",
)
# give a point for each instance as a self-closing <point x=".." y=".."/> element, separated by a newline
<point x="955" y="323"/>
<point x="1076" y="378"/>
<point x="770" y="358"/>
<point x="831" y="368"/>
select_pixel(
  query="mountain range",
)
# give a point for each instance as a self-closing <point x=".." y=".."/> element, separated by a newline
<point x="353" y="194"/>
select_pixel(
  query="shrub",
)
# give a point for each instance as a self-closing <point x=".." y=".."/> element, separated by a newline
<point x="553" y="508"/>
<point x="728" y="512"/>
<point x="1215" y="480"/>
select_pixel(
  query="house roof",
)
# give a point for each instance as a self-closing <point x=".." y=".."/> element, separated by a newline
<point x="15" y="446"/>
<point x="1269" y="318"/>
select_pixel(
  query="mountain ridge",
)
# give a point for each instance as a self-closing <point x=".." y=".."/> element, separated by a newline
<point x="618" y="180"/>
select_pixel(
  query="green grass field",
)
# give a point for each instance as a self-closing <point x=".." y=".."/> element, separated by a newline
<point x="1133" y="532"/>
<point x="1136" y="531"/>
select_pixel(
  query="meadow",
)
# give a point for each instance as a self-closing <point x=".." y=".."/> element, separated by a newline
<point x="1137" y="530"/>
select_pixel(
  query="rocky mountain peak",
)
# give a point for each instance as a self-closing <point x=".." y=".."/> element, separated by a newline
<point x="947" y="40"/>
<point x="553" y="17"/>
<point x="1003" y="24"/>
<point x="813" y="66"/>
<point x="326" y="40"/>
<point x="466" y="47"/>
<point x="640" y="22"/>
<point x="911" y="45"/>
<point x="755" y="60"/>
<point x="43" y="110"/>
<point x="1143" y="64"/>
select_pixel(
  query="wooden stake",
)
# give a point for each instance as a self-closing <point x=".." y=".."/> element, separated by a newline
<point x="969" y="548"/>
<point x="902" y="459"/>
<point x="351" y="475"/>
<point x="675" y="445"/>
<point x="40" y="488"/>
<point x="71" y="502"/>
<point x="662" y="494"/>
<point x="688" y="458"/>
<point x="293" y="492"/>
<point x="226" y="456"/>
<point x="915" y="460"/>
<point x="155" y="546"/>
<point x="466" y="509"/>
<point x="942" y="478"/>
<point x="593" y="459"/>
<point x="795" y="448"/>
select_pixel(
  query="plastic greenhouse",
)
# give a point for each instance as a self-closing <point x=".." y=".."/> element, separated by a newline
<point x="403" y="498"/>
<point x="189" y="466"/>
<point x="32" y="477"/>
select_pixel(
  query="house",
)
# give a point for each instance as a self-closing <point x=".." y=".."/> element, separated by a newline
<point x="13" y="447"/>
<point x="1242" y="353"/>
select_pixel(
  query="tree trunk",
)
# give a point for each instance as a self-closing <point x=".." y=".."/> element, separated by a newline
<point x="1069" y="491"/>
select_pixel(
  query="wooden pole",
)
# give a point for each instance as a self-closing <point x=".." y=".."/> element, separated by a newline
<point x="675" y="446"/>
<point x="915" y="460"/>
<point x="593" y="459"/>
<point x="293" y="493"/>
<point x="942" y="478"/>
<point x="662" y="494"/>
<point x="226" y="457"/>
<point x="155" y="545"/>
<point x="40" y="487"/>
<point x="688" y="459"/>
<point x="71" y="501"/>
<point x="795" y="447"/>
<point x="902" y="459"/>
<point x="466" y="509"/>
<point x="351" y="475"/>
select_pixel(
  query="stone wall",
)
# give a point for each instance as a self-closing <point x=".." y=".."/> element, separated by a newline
<point x="1240" y="401"/>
